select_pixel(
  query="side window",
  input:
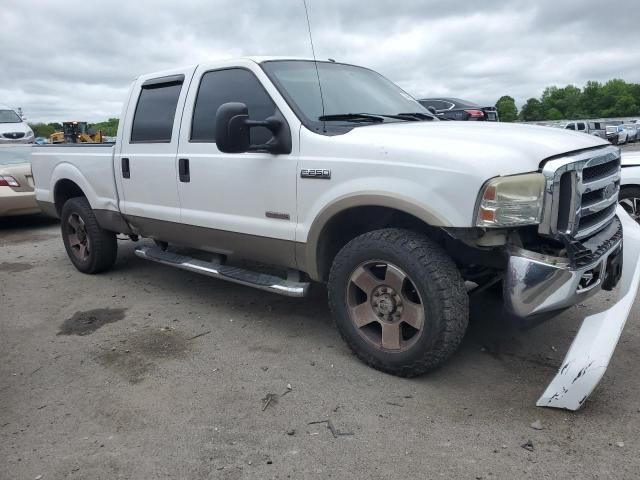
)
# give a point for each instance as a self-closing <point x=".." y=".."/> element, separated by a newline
<point x="581" y="126"/>
<point x="155" y="112"/>
<point x="438" y="104"/>
<point x="232" y="85"/>
<point x="571" y="126"/>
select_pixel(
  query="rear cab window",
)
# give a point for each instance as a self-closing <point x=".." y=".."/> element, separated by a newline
<point x="155" y="111"/>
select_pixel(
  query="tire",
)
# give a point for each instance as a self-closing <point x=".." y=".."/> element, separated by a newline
<point x="630" y="200"/>
<point x="91" y="249"/>
<point x="431" y="284"/>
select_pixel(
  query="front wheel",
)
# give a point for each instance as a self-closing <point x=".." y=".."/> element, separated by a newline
<point x="91" y="248"/>
<point x="398" y="301"/>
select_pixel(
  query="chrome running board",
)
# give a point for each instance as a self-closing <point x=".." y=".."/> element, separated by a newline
<point x="262" y="281"/>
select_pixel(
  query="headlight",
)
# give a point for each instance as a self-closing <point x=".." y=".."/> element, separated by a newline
<point x="29" y="134"/>
<point x="511" y="201"/>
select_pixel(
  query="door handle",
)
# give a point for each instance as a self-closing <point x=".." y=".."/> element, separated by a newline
<point x="183" y="170"/>
<point x="126" y="173"/>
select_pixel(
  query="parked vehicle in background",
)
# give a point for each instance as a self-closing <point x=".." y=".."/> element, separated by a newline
<point x="632" y="132"/>
<point x="580" y="126"/>
<point x="17" y="196"/>
<point x="41" y="140"/>
<point x="244" y="160"/>
<point x="585" y="126"/>
<point x="76" y="132"/>
<point x="13" y="129"/>
<point x="456" y="109"/>
<point x="599" y="129"/>
<point x="630" y="184"/>
<point x="617" y="134"/>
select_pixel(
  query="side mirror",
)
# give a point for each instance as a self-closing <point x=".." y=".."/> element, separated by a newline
<point x="432" y="110"/>
<point x="233" y="128"/>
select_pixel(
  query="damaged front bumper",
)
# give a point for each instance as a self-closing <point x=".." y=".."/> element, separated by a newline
<point x="589" y="355"/>
<point x="534" y="286"/>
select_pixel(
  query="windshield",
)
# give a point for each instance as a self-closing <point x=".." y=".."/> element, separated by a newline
<point x="9" y="116"/>
<point x="346" y="89"/>
<point x="612" y="129"/>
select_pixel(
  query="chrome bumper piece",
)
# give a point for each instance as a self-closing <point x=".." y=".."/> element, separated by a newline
<point x="536" y="284"/>
<point x="589" y="355"/>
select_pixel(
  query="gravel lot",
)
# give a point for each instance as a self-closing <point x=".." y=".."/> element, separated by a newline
<point x="150" y="372"/>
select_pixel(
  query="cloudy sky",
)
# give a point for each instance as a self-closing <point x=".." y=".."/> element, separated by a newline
<point x="75" y="60"/>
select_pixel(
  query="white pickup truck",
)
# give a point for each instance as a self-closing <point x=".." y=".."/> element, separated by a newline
<point x="330" y="173"/>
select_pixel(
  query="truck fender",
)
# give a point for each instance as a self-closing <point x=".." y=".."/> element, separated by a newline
<point x="67" y="171"/>
<point x="307" y="252"/>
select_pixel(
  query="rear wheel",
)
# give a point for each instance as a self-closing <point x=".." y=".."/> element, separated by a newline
<point x="398" y="301"/>
<point x="91" y="249"/>
<point x="630" y="201"/>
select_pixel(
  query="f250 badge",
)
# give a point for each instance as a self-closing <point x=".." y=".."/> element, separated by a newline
<point x="320" y="173"/>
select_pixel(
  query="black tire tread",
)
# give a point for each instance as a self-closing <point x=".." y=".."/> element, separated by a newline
<point x="438" y="269"/>
<point x="630" y="191"/>
<point x="104" y="244"/>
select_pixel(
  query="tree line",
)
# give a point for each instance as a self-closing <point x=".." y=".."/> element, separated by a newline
<point x="108" y="128"/>
<point x="615" y="98"/>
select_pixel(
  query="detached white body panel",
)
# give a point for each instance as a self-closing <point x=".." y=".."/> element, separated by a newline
<point x="588" y="358"/>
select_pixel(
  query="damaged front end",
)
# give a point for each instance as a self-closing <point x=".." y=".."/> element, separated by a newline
<point x="584" y="243"/>
<point x="600" y="251"/>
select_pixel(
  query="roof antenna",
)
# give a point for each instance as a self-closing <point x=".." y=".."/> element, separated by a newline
<point x="315" y="62"/>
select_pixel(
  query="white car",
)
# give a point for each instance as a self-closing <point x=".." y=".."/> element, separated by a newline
<point x="622" y="137"/>
<point x="13" y="129"/>
<point x="361" y="188"/>
<point x="630" y="189"/>
<point x="633" y="133"/>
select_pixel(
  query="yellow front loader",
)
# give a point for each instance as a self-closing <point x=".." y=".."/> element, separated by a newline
<point x="76" y="132"/>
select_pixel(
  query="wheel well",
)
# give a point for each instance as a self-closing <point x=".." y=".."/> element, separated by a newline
<point x="63" y="191"/>
<point x="348" y="224"/>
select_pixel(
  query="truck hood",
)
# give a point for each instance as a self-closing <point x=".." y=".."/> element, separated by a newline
<point x="484" y="148"/>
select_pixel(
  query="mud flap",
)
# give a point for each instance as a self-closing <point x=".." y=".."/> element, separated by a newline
<point x="589" y="355"/>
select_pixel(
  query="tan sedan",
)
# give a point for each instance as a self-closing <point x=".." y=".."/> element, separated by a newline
<point x="16" y="184"/>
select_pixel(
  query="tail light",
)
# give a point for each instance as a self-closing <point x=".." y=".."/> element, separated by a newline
<point x="476" y="114"/>
<point x="8" y="181"/>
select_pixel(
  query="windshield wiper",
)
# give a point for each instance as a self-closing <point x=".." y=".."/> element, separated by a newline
<point x="352" y="117"/>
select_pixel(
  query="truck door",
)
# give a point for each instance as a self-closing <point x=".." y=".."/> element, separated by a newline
<point x="237" y="204"/>
<point x="145" y="166"/>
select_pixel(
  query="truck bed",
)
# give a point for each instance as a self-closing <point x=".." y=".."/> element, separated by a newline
<point x="87" y="165"/>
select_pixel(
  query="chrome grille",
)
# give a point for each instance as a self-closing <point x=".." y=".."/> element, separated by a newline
<point x="581" y="193"/>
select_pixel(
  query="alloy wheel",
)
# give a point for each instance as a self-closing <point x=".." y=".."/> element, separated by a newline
<point x="632" y="206"/>
<point x="77" y="237"/>
<point x="385" y="306"/>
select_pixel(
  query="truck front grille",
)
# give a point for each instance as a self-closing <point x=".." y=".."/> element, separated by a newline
<point x="581" y="193"/>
